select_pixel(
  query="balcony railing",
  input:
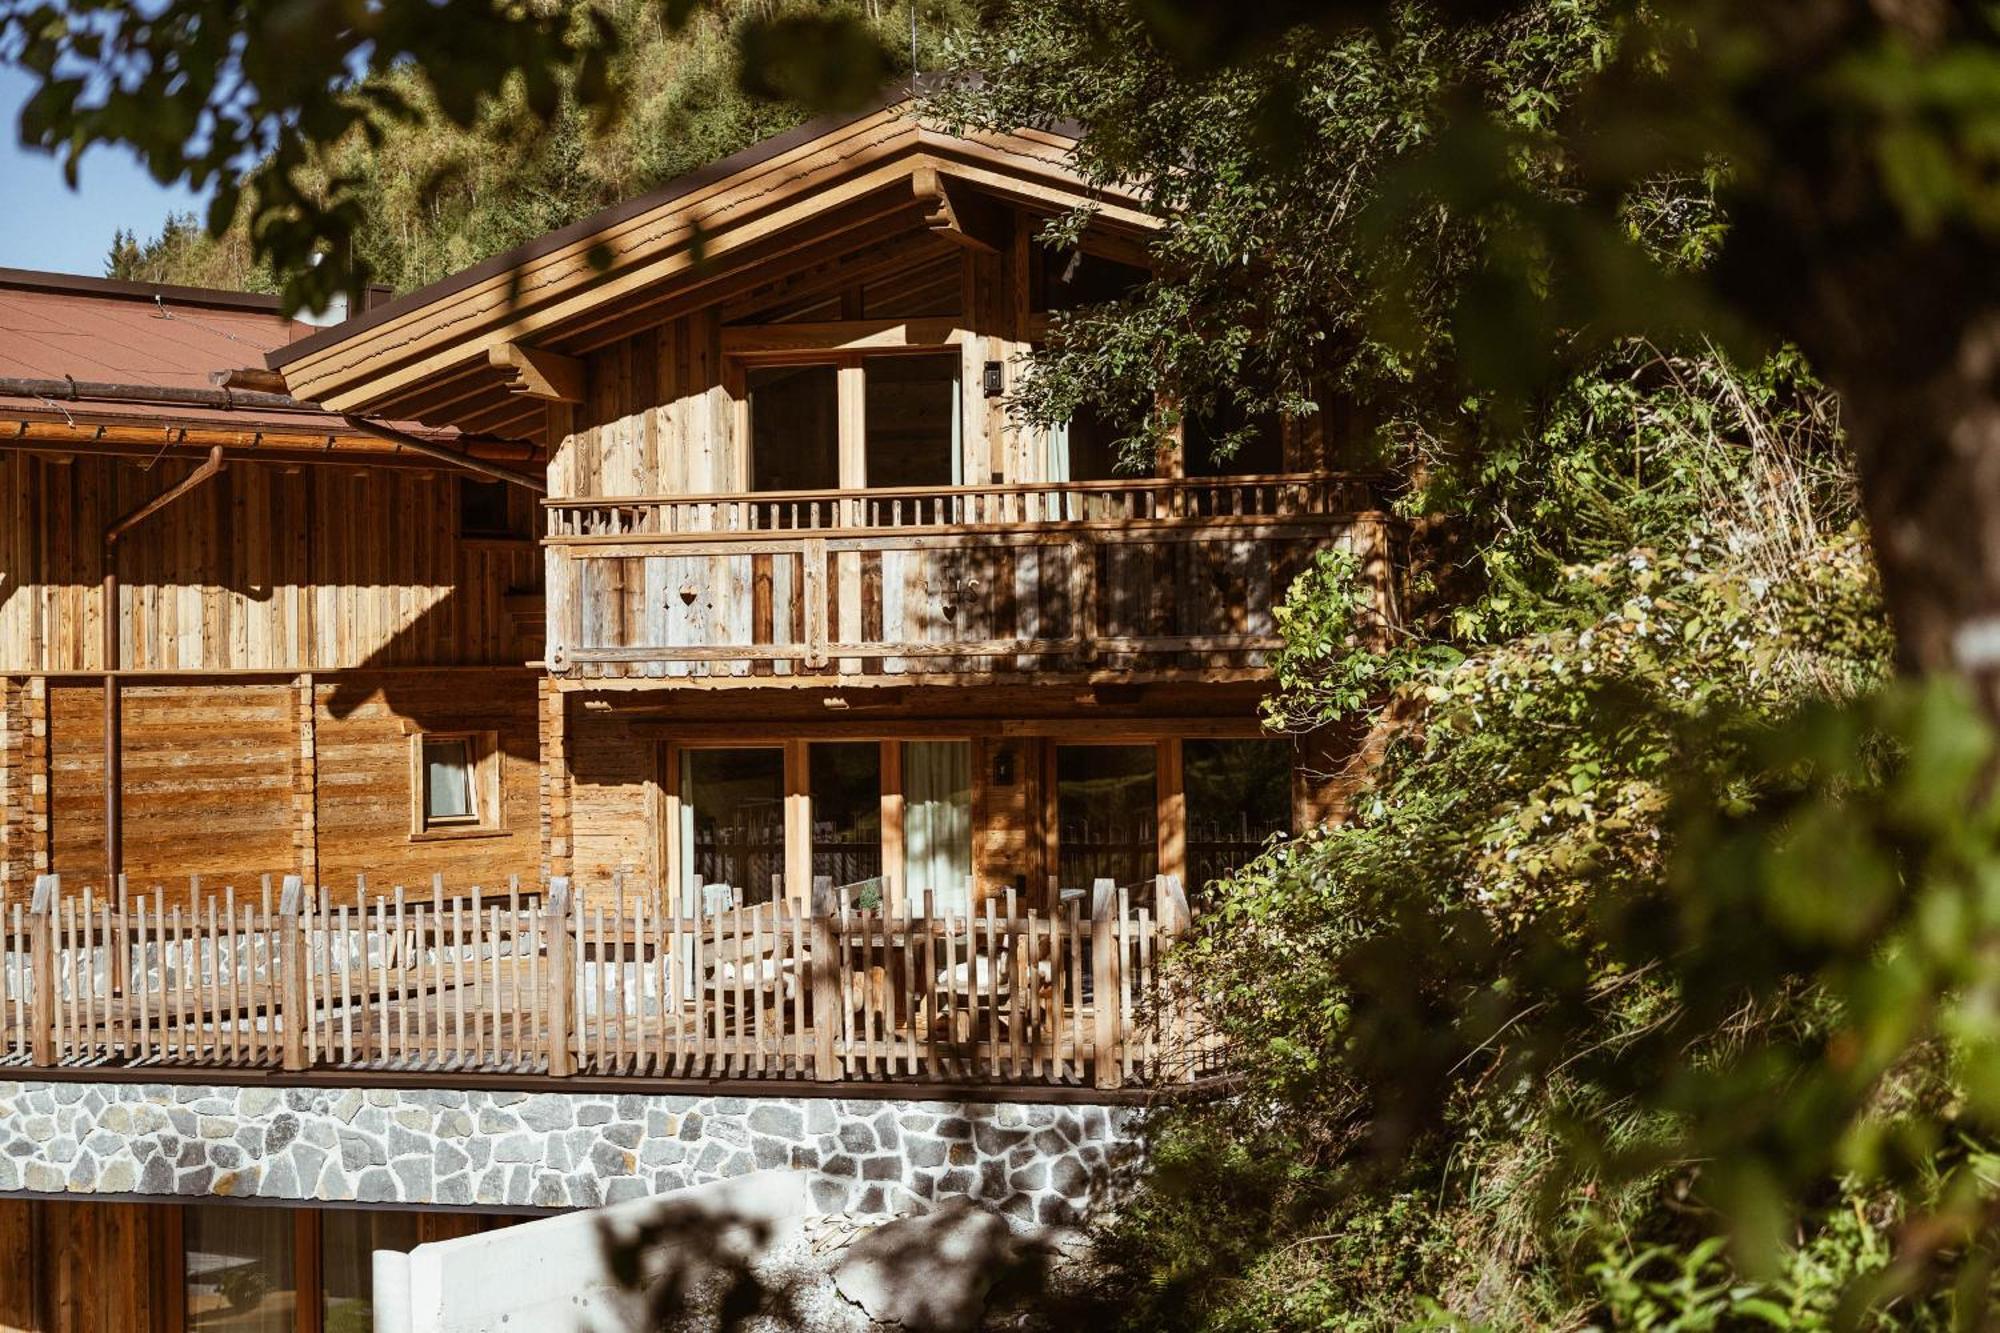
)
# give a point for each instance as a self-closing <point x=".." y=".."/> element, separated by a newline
<point x="531" y="983"/>
<point x="1152" y="575"/>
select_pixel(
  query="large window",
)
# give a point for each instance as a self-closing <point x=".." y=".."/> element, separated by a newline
<point x="1082" y="449"/>
<point x="1239" y="796"/>
<point x="253" y="1269"/>
<point x="890" y="820"/>
<point x="846" y="784"/>
<point x="794" y="428"/>
<point x="856" y="422"/>
<point x="349" y="1238"/>
<point x="1107" y="803"/>
<point x="910" y="405"/>
<point x="239" y="1269"/>
<point x="732" y="808"/>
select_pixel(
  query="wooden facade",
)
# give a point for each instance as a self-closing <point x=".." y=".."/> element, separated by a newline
<point x="784" y="637"/>
<point x="283" y="631"/>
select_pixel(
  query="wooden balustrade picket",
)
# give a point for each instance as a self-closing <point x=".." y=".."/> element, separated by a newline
<point x="532" y="981"/>
<point x="1158" y="574"/>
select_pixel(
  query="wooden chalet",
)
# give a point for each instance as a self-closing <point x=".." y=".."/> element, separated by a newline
<point x="654" y="655"/>
<point x="815" y="625"/>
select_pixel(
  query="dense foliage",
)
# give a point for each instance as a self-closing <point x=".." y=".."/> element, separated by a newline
<point x="1645" y="986"/>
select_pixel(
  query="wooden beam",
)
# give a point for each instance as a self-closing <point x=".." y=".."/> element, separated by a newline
<point x="841" y="335"/>
<point x="256" y="379"/>
<point x="539" y="373"/>
<point x="957" y="212"/>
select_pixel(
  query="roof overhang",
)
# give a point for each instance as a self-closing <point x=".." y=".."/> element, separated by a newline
<point x="664" y="254"/>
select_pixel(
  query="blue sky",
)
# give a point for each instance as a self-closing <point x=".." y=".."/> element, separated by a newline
<point x="47" y="225"/>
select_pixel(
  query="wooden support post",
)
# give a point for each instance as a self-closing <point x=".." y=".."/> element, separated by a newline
<point x="42" y="964"/>
<point x="798" y="821"/>
<point x="562" y="974"/>
<point x="293" y="1012"/>
<point x="826" y="991"/>
<point x="1105" y="967"/>
<point x="812" y="591"/>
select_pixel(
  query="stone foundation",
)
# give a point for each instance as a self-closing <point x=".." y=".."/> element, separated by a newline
<point x="1038" y="1163"/>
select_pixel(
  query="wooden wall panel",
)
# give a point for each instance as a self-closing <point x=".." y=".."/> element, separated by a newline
<point x="17" y="1252"/>
<point x="362" y="727"/>
<point x="1006" y="843"/>
<point x="612" y="779"/>
<point x="658" y="417"/>
<point x="207" y="783"/>
<point x="260" y="569"/>
<point x="94" y="1271"/>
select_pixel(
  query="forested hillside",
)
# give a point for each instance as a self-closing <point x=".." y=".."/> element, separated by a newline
<point x="438" y="198"/>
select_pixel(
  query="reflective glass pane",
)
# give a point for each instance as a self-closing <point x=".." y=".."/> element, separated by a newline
<point x="794" y="428"/>
<point x="349" y="1238"/>
<point x="937" y="824"/>
<point x="239" y="1268"/>
<point x="846" y="785"/>
<point x="448" y="780"/>
<point x="912" y="415"/>
<point x="1106" y="806"/>
<point x="732" y="827"/>
<point x="1239" y="794"/>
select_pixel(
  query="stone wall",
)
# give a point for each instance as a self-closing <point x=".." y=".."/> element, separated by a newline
<point x="1038" y="1163"/>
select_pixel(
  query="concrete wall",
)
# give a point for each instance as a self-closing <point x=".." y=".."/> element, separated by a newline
<point x="439" y="1147"/>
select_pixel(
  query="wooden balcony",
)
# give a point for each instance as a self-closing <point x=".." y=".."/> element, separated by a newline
<point x="1147" y="577"/>
<point x="532" y="984"/>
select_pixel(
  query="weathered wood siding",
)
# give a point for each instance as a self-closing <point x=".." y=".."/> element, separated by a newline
<point x="260" y="569"/>
<point x="82" y="1267"/>
<point x="239" y="778"/>
<point x="207" y="782"/>
<point x="362" y="729"/>
<point x="658" y="418"/>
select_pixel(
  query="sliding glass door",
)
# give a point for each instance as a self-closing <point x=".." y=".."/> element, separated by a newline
<point x="732" y="834"/>
<point x="1107" y="803"/>
<point x="845" y="780"/>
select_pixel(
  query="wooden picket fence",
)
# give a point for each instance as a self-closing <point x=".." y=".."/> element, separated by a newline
<point x="527" y="981"/>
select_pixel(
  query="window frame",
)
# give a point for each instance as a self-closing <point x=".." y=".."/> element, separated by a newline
<point x="520" y="521"/>
<point x="851" y="401"/>
<point x="307" y="1224"/>
<point x="1037" y="771"/>
<point x="483" y="774"/>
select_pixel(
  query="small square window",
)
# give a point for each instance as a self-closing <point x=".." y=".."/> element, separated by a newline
<point x="448" y="786"/>
<point x="486" y="511"/>
<point x="455" y="783"/>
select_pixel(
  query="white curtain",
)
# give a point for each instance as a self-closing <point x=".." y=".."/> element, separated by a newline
<point x="1055" y="458"/>
<point x="937" y="823"/>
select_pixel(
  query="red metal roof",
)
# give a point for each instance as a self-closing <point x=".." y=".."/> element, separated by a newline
<point x="57" y="325"/>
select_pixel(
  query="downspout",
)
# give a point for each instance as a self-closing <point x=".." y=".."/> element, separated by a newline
<point x="114" y="776"/>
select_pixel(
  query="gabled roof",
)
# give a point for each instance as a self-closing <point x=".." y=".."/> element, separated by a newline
<point x="662" y="254"/>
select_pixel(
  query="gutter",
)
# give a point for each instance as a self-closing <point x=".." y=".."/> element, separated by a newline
<point x="68" y="390"/>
